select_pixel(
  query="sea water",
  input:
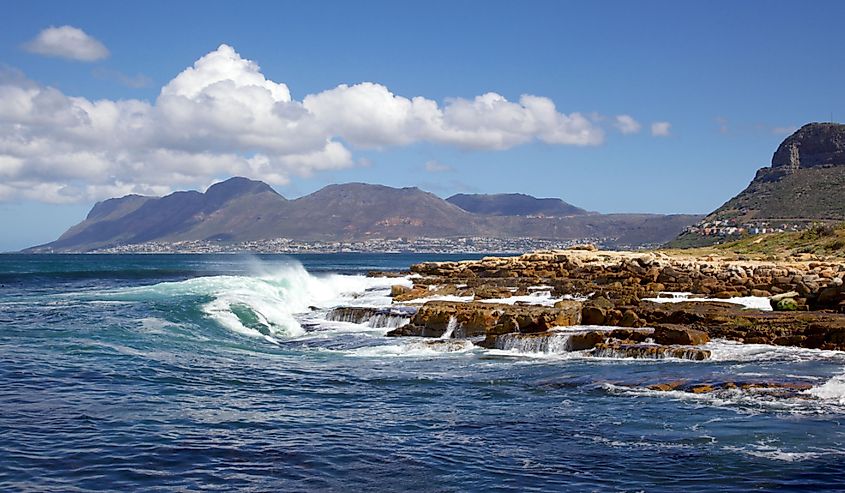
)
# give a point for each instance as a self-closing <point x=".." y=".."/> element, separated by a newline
<point x="224" y="372"/>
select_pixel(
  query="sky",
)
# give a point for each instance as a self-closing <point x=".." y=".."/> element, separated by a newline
<point x="649" y="106"/>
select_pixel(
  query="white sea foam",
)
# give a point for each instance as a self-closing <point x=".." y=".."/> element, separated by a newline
<point x="751" y="302"/>
<point x="774" y="453"/>
<point x="266" y="303"/>
<point x="748" y="402"/>
<point x="154" y="325"/>
<point x="724" y="350"/>
<point x="832" y="391"/>
<point x="538" y="298"/>
<point x="415" y="349"/>
<point x="445" y="297"/>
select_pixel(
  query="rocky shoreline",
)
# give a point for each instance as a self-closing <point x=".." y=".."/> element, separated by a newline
<point x="608" y="303"/>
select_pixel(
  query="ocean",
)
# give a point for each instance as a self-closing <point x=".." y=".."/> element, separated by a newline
<point x="224" y="373"/>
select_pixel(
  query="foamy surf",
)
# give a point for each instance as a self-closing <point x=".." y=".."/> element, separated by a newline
<point x="832" y="391"/>
<point x="415" y="349"/>
<point x="269" y="303"/>
<point x="722" y="350"/>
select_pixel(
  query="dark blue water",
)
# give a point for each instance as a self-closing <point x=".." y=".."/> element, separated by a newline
<point x="163" y="373"/>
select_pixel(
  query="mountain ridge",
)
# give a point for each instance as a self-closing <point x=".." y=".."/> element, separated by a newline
<point x="239" y="209"/>
<point x="514" y="204"/>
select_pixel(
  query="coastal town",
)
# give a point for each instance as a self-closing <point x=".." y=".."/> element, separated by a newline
<point x="474" y="244"/>
<point x="732" y="228"/>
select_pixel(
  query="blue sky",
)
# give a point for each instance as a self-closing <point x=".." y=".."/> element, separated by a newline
<point x="724" y="81"/>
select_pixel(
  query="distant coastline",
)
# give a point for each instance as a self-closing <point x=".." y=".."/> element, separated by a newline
<point x="468" y="245"/>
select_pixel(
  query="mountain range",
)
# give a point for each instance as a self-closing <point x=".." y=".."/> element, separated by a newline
<point x="240" y="209"/>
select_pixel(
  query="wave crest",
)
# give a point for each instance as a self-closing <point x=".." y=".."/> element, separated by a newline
<point x="266" y="303"/>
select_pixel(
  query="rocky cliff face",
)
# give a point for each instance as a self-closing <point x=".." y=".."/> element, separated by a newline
<point x="814" y="144"/>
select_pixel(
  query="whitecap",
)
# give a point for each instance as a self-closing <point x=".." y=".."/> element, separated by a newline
<point x="832" y="391"/>
<point x="267" y="303"/>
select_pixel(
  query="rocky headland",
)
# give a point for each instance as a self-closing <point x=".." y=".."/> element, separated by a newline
<point x="805" y="185"/>
<point x="626" y="304"/>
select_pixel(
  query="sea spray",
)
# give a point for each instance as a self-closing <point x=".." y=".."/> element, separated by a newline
<point x="450" y="328"/>
<point x="832" y="391"/>
<point x="266" y="303"/>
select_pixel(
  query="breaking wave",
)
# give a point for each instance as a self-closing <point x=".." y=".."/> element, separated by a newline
<point x="832" y="391"/>
<point x="266" y="303"/>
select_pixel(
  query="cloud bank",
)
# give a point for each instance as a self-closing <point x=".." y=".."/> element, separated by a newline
<point x="223" y="117"/>
<point x="67" y="42"/>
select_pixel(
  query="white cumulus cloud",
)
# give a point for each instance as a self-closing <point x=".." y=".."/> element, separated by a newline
<point x="627" y="124"/>
<point x="660" y="129"/>
<point x="67" y="42"/>
<point x="222" y="116"/>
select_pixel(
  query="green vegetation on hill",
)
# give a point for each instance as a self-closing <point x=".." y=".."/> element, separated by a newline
<point x="820" y="240"/>
<point x="813" y="193"/>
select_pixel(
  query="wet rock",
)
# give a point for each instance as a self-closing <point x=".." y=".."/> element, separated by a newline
<point x="593" y="315"/>
<point x="630" y="319"/>
<point x="772" y="388"/>
<point x="389" y="317"/>
<point x="586" y="340"/>
<point x="410" y="330"/>
<point x="412" y="294"/>
<point x="649" y="351"/>
<point x="492" y="292"/>
<point x="622" y="279"/>
<point x="630" y="335"/>
<point x="544" y="342"/>
<point x="351" y="314"/>
<point x="399" y="290"/>
<point x="678" y="334"/>
<point x="667" y="386"/>
<point x="728" y="321"/>
<point x="478" y="319"/>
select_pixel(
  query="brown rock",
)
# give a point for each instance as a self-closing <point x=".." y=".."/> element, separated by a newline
<point x="593" y="315"/>
<point x="398" y="290"/>
<point x="413" y="294"/>
<point x="477" y="319"/>
<point x="630" y="319"/>
<point x="667" y="386"/>
<point x="702" y="389"/>
<point x="581" y="341"/>
<point x="649" y="351"/>
<point x="678" y="334"/>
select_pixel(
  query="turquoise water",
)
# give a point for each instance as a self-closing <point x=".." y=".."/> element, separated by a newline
<point x="190" y="372"/>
